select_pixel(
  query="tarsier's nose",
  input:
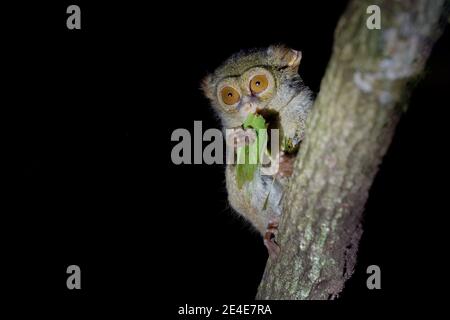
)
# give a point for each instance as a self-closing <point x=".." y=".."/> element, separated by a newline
<point x="248" y="108"/>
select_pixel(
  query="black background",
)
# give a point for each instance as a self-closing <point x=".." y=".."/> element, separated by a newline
<point x="89" y="116"/>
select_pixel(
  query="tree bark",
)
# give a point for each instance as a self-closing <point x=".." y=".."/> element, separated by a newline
<point x="362" y="96"/>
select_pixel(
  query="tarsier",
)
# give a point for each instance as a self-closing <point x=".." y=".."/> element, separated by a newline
<point x="265" y="82"/>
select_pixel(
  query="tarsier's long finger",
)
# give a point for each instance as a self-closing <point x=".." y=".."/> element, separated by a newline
<point x="273" y="223"/>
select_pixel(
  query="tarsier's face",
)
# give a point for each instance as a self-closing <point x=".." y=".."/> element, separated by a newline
<point x="252" y="82"/>
<point x="248" y="93"/>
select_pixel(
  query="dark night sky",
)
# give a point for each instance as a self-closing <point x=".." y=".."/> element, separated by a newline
<point x="91" y="114"/>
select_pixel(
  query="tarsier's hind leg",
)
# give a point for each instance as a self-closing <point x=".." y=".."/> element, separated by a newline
<point x="269" y="238"/>
<point x="285" y="170"/>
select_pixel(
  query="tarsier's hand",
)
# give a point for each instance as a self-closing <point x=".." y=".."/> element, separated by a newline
<point x="239" y="137"/>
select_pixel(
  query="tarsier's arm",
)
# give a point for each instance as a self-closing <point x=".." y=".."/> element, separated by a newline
<point x="293" y="119"/>
<point x="250" y="199"/>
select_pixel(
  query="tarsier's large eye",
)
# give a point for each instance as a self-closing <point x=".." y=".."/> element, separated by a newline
<point x="230" y="95"/>
<point x="259" y="83"/>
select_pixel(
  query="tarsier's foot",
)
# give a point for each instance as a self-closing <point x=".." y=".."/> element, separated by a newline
<point x="286" y="166"/>
<point x="269" y="239"/>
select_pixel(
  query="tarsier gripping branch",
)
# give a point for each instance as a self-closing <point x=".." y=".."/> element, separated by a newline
<point x="263" y="87"/>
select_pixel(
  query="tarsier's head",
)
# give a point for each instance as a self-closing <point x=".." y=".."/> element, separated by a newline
<point x="252" y="82"/>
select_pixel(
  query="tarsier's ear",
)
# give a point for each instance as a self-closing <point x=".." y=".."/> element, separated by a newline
<point x="284" y="56"/>
<point x="207" y="87"/>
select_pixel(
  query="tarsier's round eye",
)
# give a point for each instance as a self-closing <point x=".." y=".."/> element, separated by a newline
<point x="230" y="95"/>
<point x="259" y="83"/>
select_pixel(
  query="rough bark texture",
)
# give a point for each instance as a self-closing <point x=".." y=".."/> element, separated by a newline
<point x="362" y="95"/>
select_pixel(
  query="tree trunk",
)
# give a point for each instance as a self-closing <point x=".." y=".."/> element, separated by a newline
<point x="362" y="96"/>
